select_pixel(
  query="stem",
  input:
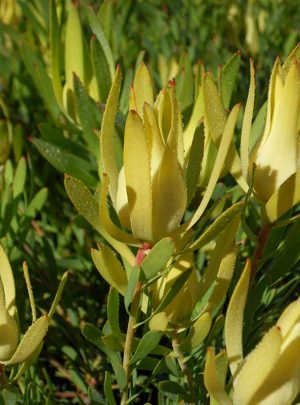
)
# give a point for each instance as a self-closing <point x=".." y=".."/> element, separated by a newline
<point x="133" y="318"/>
<point x="261" y="243"/>
<point x="184" y="368"/>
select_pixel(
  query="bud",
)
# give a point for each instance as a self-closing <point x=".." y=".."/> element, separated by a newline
<point x="277" y="359"/>
<point x="276" y="155"/>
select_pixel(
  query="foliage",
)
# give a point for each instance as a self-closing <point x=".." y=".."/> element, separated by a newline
<point x="181" y="244"/>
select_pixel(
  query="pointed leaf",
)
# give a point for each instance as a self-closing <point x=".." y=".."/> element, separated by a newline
<point x="101" y="69"/>
<point x="234" y="320"/>
<point x="113" y="312"/>
<point x="195" y="162"/>
<point x="37" y="203"/>
<point x="228" y="78"/>
<point x="55" y="59"/>
<point x="217" y="226"/>
<point x="89" y="115"/>
<point x="7" y="279"/>
<point x="66" y="162"/>
<point x="211" y="379"/>
<point x="143" y="88"/>
<point x="41" y="80"/>
<point x="247" y="121"/>
<point x="107" y="150"/>
<point x="147" y="343"/>
<point x="131" y="286"/>
<point x="19" y="178"/>
<point x="220" y="159"/>
<point x="97" y="30"/>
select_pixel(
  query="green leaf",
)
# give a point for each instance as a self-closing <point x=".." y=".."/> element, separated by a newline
<point x="113" y="313"/>
<point x="36" y="204"/>
<point x="66" y="162"/>
<point x="132" y="282"/>
<point x="19" y="178"/>
<point x="158" y="257"/>
<point x="228" y="78"/>
<point x="93" y="334"/>
<point x="55" y="58"/>
<point x="172" y="387"/>
<point x="97" y="30"/>
<point x="101" y="69"/>
<point x="147" y="343"/>
<point x="95" y="396"/>
<point x="105" y="17"/>
<point x="213" y="230"/>
<point x="89" y="115"/>
<point x="41" y="80"/>
<point x="185" y="82"/>
<point x="56" y="136"/>
<point x="194" y="163"/>
<point x="109" y="395"/>
<point x="83" y="200"/>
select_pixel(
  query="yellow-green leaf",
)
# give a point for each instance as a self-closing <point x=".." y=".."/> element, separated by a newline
<point x="107" y="150"/>
<point x="220" y="159"/>
<point x="211" y="379"/>
<point x="110" y="268"/>
<point x="143" y="88"/>
<point x="197" y="332"/>
<point x="31" y="340"/>
<point x="234" y="320"/>
<point x="247" y="121"/>
<point x="7" y="278"/>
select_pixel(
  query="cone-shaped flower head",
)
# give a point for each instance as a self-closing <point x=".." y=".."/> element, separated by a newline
<point x="152" y="187"/>
<point x="277" y="154"/>
<point x="149" y="192"/>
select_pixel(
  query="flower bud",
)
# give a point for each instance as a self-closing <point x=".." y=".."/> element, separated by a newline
<point x="276" y="155"/>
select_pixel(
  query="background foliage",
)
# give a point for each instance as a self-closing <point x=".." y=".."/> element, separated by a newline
<point x="38" y="222"/>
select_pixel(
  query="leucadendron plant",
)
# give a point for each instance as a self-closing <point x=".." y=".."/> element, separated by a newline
<point x="150" y="181"/>
<point x="13" y="348"/>
<point x="269" y="374"/>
